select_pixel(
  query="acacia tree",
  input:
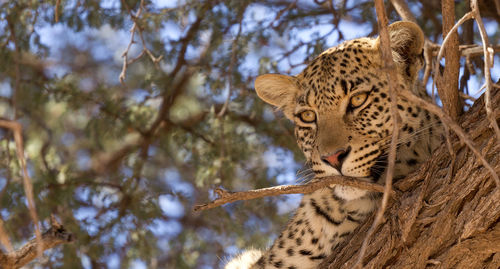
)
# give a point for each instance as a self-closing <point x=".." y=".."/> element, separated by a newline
<point x="117" y="117"/>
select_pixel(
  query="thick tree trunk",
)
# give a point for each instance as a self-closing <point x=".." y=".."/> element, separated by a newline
<point x="448" y="215"/>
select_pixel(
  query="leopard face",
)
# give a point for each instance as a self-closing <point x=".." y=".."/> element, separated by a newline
<point x="340" y="105"/>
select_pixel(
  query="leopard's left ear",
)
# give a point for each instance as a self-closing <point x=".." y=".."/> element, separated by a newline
<point x="278" y="90"/>
<point x="407" y="43"/>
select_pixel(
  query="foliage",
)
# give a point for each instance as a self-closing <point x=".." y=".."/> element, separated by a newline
<point x="122" y="164"/>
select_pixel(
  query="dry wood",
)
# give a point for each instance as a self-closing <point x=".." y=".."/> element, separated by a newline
<point x="318" y="183"/>
<point x="448" y="82"/>
<point x="466" y="50"/>
<point x="448" y="222"/>
<point x="53" y="237"/>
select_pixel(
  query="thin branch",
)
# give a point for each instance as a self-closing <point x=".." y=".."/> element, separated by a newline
<point x="323" y="182"/>
<point x="135" y="27"/>
<point x="4" y="238"/>
<point x="467" y="16"/>
<point x="470" y="50"/>
<point x="385" y="49"/>
<point x="16" y="128"/>
<point x="488" y="63"/>
<point x="403" y="10"/>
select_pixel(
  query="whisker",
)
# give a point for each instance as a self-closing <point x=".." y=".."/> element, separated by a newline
<point x="416" y="134"/>
<point x="306" y="177"/>
<point x="305" y="171"/>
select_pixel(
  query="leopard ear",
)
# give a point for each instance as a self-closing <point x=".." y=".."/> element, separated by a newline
<point x="278" y="90"/>
<point x="407" y="43"/>
<point x="407" y="39"/>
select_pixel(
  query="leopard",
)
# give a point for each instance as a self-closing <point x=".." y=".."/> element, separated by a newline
<point x="340" y="106"/>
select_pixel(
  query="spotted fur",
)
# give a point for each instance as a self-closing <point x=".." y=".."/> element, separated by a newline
<point x="346" y="89"/>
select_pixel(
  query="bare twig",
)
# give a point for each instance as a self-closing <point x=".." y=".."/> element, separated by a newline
<point x="385" y="49"/>
<point x="465" y="17"/>
<point x="135" y="27"/>
<point x="323" y="182"/>
<point x="16" y="128"/>
<point x="466" y="50"/>
<point x="488" y="63"/>
<point x="475" y="50"/>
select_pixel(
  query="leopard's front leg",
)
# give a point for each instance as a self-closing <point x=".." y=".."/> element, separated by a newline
<point x="322" y="221"/>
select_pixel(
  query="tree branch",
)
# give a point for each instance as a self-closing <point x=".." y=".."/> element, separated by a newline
<point x="51" y="238"/>
<point x="135" y="27"/>
<point x="16" y="128"/>
<point x="403" y="10"/>
<point x="448" y="81"/>
<point x="318" y="183"/>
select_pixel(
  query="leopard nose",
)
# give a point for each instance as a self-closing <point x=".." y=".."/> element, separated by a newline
<point x="336" y="159"/>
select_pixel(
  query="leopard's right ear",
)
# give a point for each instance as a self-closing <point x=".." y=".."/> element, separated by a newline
<point x="278" y="90"/>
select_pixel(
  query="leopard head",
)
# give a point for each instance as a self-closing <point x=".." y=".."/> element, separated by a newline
<point x="340" y="105"/>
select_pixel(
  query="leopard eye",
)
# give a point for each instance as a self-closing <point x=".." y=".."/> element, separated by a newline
<point x="358" y="100"/>
<point x="307" y="116"/>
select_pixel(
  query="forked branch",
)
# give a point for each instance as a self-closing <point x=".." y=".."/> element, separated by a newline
<point x="145" y="51"/>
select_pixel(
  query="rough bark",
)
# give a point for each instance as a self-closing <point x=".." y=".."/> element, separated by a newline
<point x="448" y="215"/>
<point x="51" y="238"/>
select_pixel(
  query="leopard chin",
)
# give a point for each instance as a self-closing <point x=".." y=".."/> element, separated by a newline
<point x="350" y="193"/>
